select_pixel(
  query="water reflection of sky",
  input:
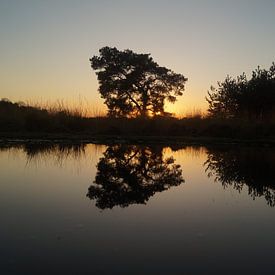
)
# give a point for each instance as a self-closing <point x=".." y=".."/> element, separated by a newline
<point x="196" y="226"/>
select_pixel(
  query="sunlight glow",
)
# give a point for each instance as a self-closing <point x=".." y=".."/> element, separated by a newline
<point x="45" y="54"/>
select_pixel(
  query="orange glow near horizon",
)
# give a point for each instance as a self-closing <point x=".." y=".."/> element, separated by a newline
<point x="91" y="108"/>
<point x="46" y="46"/>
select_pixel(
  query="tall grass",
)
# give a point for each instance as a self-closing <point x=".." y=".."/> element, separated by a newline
<point x="80" y="107"/>
<point x="193" y="113"/>
<point x="39" y="117"/>
<point x="63" y="118"/>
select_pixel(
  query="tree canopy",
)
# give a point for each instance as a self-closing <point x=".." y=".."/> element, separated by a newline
<point x="240" y="97"/>
<point x="133" y="84"/>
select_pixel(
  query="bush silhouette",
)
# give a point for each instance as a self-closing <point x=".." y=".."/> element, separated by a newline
<point x="243" y="98"/>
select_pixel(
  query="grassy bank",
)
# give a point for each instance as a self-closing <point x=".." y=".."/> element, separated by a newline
<point x="21" y="121"/>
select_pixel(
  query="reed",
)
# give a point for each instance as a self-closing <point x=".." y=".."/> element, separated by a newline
<point x="62" y="118"/>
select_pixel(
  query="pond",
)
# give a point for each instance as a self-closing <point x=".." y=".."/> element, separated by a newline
<point x="136" y="209"/>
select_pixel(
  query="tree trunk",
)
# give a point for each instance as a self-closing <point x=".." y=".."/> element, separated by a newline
<point x="144" y="111"/>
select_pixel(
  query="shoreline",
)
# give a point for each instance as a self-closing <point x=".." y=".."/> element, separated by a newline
<point x="66" y="138"/>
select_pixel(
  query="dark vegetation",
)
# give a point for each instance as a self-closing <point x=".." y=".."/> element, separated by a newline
<point x="17" y="120"/>
<point x="240" y="98"/>
<point x="133" y="84"/>
<point x="18" y="117"/>
<point x="135" y="89"/>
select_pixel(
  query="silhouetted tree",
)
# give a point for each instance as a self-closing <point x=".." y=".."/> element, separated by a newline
<point x="132" y="174"/>
<point x="245" y="167"/>
<point x="240" y="97"/>
<point x="133" y="84"/>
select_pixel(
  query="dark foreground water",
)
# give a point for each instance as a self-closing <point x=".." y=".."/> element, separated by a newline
<point x="95" y="209"/>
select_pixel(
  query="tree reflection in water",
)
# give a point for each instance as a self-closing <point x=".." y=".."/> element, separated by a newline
<point x="130" y="174"/>
<point x="239" y="167"/>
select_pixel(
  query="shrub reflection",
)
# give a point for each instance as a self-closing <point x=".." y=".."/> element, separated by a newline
<point x="239" y="167"/>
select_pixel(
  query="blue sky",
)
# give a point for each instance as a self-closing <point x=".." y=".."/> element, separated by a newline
<point x="46" y="45"/>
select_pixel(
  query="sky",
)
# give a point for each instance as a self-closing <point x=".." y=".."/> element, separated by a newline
<point x="46" y="44"/>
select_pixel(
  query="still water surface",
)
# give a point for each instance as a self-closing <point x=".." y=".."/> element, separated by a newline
<point x="128" y="209"/>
